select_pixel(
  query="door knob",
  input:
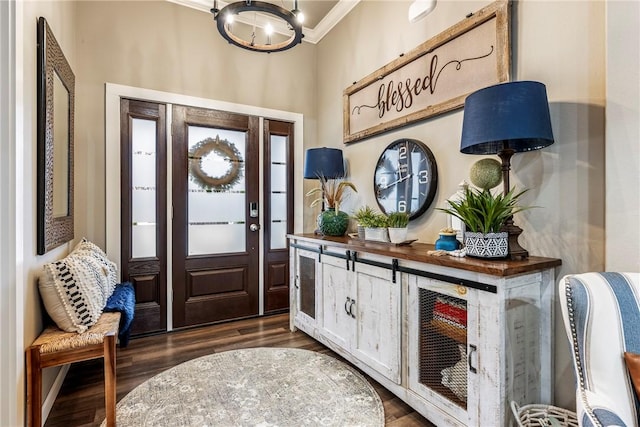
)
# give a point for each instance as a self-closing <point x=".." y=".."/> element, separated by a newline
<point x="254" y="227"/>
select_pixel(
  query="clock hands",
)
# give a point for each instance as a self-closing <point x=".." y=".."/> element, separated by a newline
<point x="404" y="178"/>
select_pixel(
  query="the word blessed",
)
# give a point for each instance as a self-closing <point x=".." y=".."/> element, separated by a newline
<point x="401" y="95"/>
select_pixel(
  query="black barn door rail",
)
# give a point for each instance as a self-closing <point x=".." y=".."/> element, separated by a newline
<point x="316" y="249"/>
<point x="395" y="267"/>
<point x="449" y="279"/>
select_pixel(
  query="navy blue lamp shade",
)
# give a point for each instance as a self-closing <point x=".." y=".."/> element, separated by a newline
<point x="505" y="119"/>
<point x="511" y="115"/>
<point x="326" y="162"/>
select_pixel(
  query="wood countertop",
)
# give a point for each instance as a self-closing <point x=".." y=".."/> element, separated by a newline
<point x="419" y="252"/>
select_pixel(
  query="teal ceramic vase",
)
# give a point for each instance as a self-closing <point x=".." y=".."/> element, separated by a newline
<point x="332" y="223"/>
<point x="447" y="242"/>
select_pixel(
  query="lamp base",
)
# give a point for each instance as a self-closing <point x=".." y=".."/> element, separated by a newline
<point x="516" y="252"/>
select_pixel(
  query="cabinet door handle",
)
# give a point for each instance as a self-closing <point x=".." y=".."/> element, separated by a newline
<point x="345" y="305"/>
<point x="295" y="282"/>
<point x="353" y="302"/>
<point x="472" y="349"/>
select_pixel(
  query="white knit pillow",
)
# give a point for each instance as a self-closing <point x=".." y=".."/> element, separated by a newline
<point x="93" y="251"/>
<point x="75" y="289"/>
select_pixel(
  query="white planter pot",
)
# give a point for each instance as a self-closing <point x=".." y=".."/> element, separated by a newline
<point x="397" y="235"/>
<point x="491" y="245"/>
<point x="376" y="234"/>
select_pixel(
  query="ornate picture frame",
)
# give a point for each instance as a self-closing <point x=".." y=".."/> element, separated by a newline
<point x="56" y="103"/>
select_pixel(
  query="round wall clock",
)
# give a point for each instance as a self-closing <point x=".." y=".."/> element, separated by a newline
<point x="405" y="178"/>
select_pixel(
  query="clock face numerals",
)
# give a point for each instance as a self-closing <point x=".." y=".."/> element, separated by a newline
<point x="406" y="178"/>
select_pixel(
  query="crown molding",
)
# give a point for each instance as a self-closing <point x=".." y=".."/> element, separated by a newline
<point x="331" y="19"/>
<point x="311" y="35"/>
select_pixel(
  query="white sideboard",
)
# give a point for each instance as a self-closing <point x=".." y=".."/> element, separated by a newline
<point x="456" y="338"/>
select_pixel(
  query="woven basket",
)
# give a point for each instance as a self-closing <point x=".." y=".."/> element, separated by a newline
<point x="543" y="415"/>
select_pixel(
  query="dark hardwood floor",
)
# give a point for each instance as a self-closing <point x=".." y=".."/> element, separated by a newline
<point x="81" y="399"/>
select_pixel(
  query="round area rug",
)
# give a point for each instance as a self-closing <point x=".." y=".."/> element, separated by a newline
<point x="254" y="387"/>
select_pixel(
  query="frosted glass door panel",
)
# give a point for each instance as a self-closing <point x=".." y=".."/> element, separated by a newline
<point x="143" y="192"/>
<point x="216" y="207"/>
<point x="144" y="205"/>
<point x="278" y="235"/>
<point x="278" y="177"/>
<point x="216" y="238"/>
<point x="278" y="214"/>
<point x="216" y="191"/>
<point x="143" y="240"/>
<point x="143" y="173"/>
<point x="144" y="135"/>
<point x="279" y="207"/>
<point x="278" y="149"/>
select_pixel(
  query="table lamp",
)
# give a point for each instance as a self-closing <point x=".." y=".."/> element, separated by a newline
<point x="505" y="119"/>
<point x="323" y="162"/>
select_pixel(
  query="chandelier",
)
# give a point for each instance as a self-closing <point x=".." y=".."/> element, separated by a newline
<point x="230" y="18"/>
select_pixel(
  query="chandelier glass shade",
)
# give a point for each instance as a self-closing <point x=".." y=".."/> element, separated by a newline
<point x="245" y="36"/>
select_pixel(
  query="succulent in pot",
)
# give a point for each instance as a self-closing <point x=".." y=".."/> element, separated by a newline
<point x="363" y="215"/>
<point x="398" y="220"/>
<point x="377" y="220"/>
<point x="397" y="223"/>
<point x="375" y="227"/>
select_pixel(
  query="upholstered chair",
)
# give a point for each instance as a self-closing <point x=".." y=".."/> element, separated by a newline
<point x="601" y="313"/>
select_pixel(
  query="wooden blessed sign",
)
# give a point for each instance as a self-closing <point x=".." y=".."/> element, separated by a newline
<point x="433" y="78"/>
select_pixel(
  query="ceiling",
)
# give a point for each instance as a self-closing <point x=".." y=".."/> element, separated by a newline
<point x="320" y="15"/>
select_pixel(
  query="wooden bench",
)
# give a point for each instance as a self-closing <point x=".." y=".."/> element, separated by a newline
<point x="55" y="347"/>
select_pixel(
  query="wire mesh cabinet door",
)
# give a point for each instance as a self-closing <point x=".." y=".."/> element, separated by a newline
<point x="443" y="359"/>
<point x="303" y="294"/>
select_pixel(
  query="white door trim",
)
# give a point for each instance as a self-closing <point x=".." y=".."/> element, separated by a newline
<point x="113" y="94"/>
<point x="12" y="280"/>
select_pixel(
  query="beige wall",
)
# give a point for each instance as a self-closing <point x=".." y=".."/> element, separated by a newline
<point x="61" y="18"/>
<point x="623" y="134"/>
<point x="162" y="46"/>
<point x="558" y="43"/>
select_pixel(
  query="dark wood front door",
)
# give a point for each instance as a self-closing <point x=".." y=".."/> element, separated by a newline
<point x="215" y="228"/>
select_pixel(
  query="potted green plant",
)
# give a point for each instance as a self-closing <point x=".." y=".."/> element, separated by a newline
<point x="484" y="215"/>
<point x="332" y="221"/>
<point x="375" y="227"/>
<point x="362" y="216"/>
<point x="397" y="223"/>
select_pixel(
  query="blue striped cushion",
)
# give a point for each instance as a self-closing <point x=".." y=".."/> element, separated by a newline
<point x="602" y="318"/>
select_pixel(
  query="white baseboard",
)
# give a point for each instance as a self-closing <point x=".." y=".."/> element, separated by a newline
<point x="53" y="393"/>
